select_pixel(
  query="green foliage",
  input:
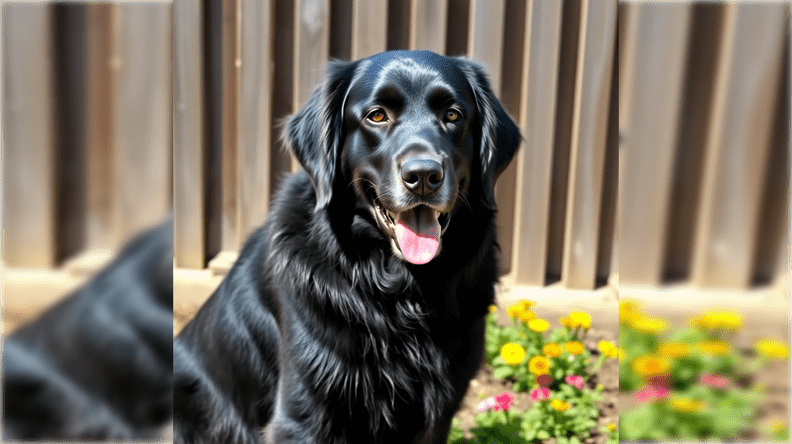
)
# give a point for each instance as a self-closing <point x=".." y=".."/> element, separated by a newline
<point x="570" y="412"/>
<point x="705" y="380"/>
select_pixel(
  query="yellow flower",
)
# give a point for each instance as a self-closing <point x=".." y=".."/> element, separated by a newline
<point x="772" y="348"/>
<point x="608" y="349"/>
<point x="538" y="325"/>
<point x="649" y="365"/>
<point x="724" y="319"/>
<point x="566" y="322"/>
<point x="512" y="353"/>
<point x="526" y="304"/>
<point x="526" y="315"/>
<point x="687" y="405"/>
<point x="714" y="348"/>
<point x="513" y="310"/>
<point x="611" y="427"/>
<point x="574" y="347"/>
<point x="539" y="365"/>
<point x="551" y="349"/>
<point x="600" y="387"/>
<point x="559" y="405"/>
<point x="521" y="311"/>
<point x="673" y="350"/>
<point x="493" y="308"/>
<point x="622" y="354"/>
<point x="628" y="310"/>
<point x="648" y="324"/>
<point x="580" y="319"/>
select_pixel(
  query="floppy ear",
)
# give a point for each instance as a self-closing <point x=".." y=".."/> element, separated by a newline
<point x="499" y="135"/>
<point x="314" y="134"/>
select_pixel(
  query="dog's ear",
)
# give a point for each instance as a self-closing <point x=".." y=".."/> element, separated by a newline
<point x="315" y="133"/>
<point x="499" y="135"/>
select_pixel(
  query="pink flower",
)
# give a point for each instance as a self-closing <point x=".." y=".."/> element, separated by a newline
<point x="715" y="381"/>
<point x="651" y="393"/>
<point x="503" y="401"/>
<point x="540" y="394"/>
<point x="576" y="381"/>
<point x="496" y="403"/>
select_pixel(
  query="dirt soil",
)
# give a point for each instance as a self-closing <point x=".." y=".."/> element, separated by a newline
<point x="607" y="376"/>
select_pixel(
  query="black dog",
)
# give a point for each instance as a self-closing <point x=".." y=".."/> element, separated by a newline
<point x="356" y="314"/>
<point x="98" y="365"/>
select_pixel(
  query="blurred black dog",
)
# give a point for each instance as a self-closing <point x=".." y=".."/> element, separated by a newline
<point x="356" y="314"/>
<point x="99" y="364"/>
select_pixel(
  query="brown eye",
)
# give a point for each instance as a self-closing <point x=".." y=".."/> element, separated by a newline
<point x="452" y="115"/>
<point x="377" y="116"/>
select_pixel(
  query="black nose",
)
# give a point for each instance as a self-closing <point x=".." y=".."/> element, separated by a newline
<point x="422" y="176"/>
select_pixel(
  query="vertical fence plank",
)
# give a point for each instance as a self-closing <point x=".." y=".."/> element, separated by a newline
<point x="737" y="144"/>
<point x="369" y="27"/>
<point x="99" y="126"/>
<point x="428" y="25"/>
<point x="188" y="140"/>
<point x="311" y="49"/>
<point x="485" y="37"/>
<point x="589" y="132"/>
<point x="29" y="230"/>
<point x="537" y="124"/>
<point x="567" y="69"/>
<point x="652" y="82"/>
<point x="142" y="118"/>
<point x="229" y="224"/>
<point x="255" y="114"/>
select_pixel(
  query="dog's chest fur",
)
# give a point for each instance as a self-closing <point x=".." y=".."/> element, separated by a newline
<point x="380" y="361"/>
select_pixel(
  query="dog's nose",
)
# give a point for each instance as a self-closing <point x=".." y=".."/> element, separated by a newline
<point x="422" y="176"/>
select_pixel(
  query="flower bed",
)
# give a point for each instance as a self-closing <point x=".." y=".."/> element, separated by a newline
<point x="695" y="382"/>
<point x="541" y="384"/>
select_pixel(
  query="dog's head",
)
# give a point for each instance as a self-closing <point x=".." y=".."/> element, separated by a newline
<point x="414" y="134"/>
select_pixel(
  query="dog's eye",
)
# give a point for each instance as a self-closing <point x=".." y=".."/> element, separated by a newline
<point x="452" y="115"/>
<point x="377" y="116"/>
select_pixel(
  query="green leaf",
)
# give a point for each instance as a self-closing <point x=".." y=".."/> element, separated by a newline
<point x="502" y="372"/>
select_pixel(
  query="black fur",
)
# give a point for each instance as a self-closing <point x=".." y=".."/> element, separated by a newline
<point x="321" y="332"/>
<point x="98" y="365"/>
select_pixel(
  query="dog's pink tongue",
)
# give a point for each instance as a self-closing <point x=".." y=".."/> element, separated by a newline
<point x="418" y="234"/>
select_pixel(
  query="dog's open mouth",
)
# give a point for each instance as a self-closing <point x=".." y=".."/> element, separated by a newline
<point x="415" y="232"/>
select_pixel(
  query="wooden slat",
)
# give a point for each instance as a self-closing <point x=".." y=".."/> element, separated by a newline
<point x="99" y="102"/>
<point x="737" y="146"/>
<point x="485" y="37"/>
<point x="702" y="59"/>
<point x="652" y="81"/>
<point x="589" y="132"/>
<point x="188" y="140"/>
<point x="369" y="27"/>
<point x="311" y="49"/>
<point x="537" y="124"/>
<point x="29" y="230"/>
<point x="567" y="69"/>
<point x="141" y="118"/>
<point x="428" y="25"/>
<point x="229" y="26"/>
<point x="255" y="114"/>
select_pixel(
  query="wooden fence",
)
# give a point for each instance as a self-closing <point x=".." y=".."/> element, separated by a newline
<point x="681" y="111"/>
<point x="699" y="101"/>
<point x="243" y="65"/>
<point x="87" y="127"/>
<point x="703" y="115"/>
